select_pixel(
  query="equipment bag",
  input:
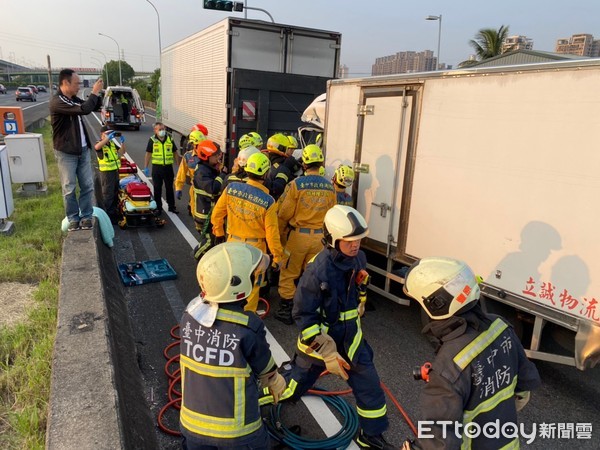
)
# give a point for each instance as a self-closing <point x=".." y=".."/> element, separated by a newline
<point x="138" y="191"/>
<point x="127" y="166"/>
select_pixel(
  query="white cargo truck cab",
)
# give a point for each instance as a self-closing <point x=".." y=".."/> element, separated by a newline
<point x="494" y="166"/>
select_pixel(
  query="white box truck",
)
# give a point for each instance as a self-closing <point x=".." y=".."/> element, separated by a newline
<point x="242" y="75"/>
<point x="499" y="167"/>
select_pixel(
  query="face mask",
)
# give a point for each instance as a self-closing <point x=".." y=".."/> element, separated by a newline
<point x="162" y="133"/>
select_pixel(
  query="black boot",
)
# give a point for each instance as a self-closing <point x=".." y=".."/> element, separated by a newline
<point x="367" y="441"/>
<point x="284" y="314"/>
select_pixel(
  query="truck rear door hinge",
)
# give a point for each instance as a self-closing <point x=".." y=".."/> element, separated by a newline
<point x="364" y="110"/>
<point x="361" y="168"/>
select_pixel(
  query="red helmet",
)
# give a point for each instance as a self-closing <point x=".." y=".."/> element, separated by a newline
<point x="206" y="149"/>
<point x="201" y="128"/>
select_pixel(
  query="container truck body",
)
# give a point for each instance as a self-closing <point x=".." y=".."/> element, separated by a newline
<point x="242" y="75"/>
<point x="499" y="167"/>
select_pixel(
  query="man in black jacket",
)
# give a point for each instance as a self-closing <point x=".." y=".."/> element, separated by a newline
<point x="72" y="147"/>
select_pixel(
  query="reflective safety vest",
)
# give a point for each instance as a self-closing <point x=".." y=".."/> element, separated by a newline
<point x="220" y="394"/>
<point x="110" y="160"/>
<point x="162" y="152"/>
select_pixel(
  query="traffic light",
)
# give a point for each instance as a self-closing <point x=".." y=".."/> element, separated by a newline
<point x="223" y="5"/>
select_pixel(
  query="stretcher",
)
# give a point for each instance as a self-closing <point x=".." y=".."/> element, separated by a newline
<point x="137" y="207"/>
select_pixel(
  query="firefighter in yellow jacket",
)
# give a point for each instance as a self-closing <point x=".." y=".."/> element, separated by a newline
<point x="251" y="215"/>
<point x="187" y="167"/>
<point x="225" y="357"/>
<point x="303" y="206"/>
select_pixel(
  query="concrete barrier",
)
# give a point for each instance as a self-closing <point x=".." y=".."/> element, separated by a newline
<point x="96" y="399"/>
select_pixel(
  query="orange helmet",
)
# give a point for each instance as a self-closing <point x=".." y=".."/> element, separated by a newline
<point x="206" y="149"/>
<point x="201" y="128"/>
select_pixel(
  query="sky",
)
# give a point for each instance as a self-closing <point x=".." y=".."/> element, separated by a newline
<point x="67" y="30"/>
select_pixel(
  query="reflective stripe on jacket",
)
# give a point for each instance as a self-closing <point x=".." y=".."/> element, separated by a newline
<point x="110" y="160"/>
<point x="207" y="186"/>
<point x="162" y="152"/>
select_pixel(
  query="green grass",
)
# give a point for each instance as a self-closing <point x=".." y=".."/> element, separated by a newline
<point x="31" y="255"/>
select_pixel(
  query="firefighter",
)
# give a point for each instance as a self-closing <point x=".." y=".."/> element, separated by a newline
<point x="480" y="373"/>
<point x="251" y="215"/>
<point x="257" y="139"/>
<point x="327" y="308"/>
<point x="188" y="165"/>
<point x="208" y="181"/>
<point x="238" y="172"/>
<point x="301" y="212"/>
<point x="225" y="357"/>
<point x="343" y="178"/>
<point x="282" y="165"/>
<point x="109" y="150"/>
<point x="183" y="142"/>
<point x="160" y="151"/>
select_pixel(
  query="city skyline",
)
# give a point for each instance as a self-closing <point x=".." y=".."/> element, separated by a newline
<point x="68" y="32"/>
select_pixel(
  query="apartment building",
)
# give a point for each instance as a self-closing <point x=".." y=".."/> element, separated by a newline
<point x="579" y="44"/>
<point x="405" y="62"/>
<point x="517" y="42"/>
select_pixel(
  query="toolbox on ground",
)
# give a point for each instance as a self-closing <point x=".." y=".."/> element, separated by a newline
<point x="142" y="272"/>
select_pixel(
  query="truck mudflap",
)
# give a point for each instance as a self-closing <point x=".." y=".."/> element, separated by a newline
<point x="586" y="348"/>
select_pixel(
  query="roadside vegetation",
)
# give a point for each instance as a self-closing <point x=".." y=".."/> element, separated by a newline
<point x="30" y="258"/>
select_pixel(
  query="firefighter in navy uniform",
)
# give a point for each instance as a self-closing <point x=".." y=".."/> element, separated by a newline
<point x="342" y="179"/>
<point x="327" y="308"/>
<point x="208" y="182"/>
<point x="480" y="373"/>
<point x="282" y="165"/>
<point x="225" y="357"/>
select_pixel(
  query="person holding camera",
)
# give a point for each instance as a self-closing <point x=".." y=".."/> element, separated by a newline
<point x="109" y="150"/>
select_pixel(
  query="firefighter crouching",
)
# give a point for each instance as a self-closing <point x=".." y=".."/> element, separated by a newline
<point x="301" y="213"/>
<point x="251" y="215"/>
<point x="225" y="356"/>
<point x="327" y="308"/>
<point x="480" y="373"/>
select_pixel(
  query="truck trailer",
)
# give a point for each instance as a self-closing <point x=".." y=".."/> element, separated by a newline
<point x="497" y="166"/>
<point x="242" y="75"/>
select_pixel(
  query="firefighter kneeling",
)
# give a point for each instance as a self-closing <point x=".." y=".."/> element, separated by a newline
<point x="225" y="356"/>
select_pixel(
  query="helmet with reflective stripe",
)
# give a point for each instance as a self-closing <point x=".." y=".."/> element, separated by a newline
<point x="312" y="154"/>
<point x="344" y="176"/>
<point x="201" y="128"/>
<point x="196" y="137"/>
<point x="278" y="142"/>
<point x="243" y="155"/>
<point x="258" y="164"/>
<point x="443" y="286"/>
<point x="344" y="223"/>
<point x="206" y="149"/>
<point x="258" y="140"/>
<point x="245" y="141"/>
<point x="227" y="272"/>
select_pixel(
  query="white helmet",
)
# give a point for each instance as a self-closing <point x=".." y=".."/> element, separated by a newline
<point x="246" y="153"/>
<point x="227" y="272"/>
<point x="344" y="223"/>
<point x="443" y="286"/>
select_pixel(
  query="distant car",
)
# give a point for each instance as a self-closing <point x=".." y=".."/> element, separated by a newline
<point x="25" y="93"/>
<point x="42" y="88"/>
<point x="2" y="89"/>
<point x="33" y="88"/>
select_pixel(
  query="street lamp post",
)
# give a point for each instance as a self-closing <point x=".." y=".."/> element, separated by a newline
<point x="119" y="52"/>
<point x="105" y="65"/>
<point x="158" y="18"/>
<point x="439" y="19"/>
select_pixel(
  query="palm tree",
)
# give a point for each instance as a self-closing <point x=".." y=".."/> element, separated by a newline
<point x="488" y="42"/>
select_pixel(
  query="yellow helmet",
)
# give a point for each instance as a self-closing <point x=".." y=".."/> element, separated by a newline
<point x="258" y="164"/>
<point x="257" y="138"/>
<point x="319" y="140"/>
<point x="344" y="176"/>
<point x="196" y="137"/>
<point x="293" y="142"/>
<point x="245" y="141"/>
<point x="312" y="154"/>
<point x="278" y="142"/>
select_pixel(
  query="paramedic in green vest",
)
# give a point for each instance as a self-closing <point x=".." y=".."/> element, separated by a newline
<point x="125" y="106"/>
<point x="224" y="354"/>
<point x="109" y="150"/>
<point x="480" y="376"/>
<point x="160" y="151"/>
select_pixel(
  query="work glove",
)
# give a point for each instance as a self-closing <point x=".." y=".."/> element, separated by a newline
<point x="147" y="172"/>
<point x="324" y="345"/>
<point x="220" y="239"/>
<point x="178" y="194"/>
<point x="521" y="399"/>
<point x="276" y="266"/>
<point x="122" y="139"/>
<point x="275" y="382"/>
<point x="408" y="445"/>
<point x="110" y="135"/>
<point x="361" y="308"/>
